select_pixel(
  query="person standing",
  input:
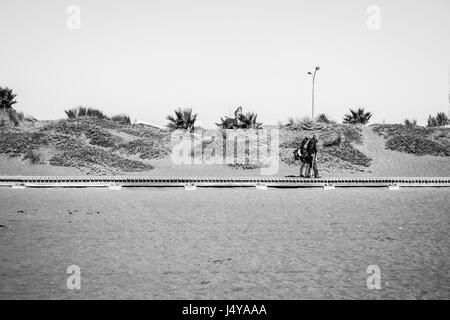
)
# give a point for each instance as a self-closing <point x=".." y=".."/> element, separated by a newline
<point x="303" y="155"/>
<point x="311" y="160"/>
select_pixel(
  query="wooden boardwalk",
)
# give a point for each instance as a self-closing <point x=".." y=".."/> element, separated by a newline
<point x="193" y="182"/>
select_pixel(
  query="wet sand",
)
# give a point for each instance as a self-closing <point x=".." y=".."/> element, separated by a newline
<point x="225" y="243"/>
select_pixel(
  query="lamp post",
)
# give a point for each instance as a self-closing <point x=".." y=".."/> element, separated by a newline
<point x="313" y="75"/>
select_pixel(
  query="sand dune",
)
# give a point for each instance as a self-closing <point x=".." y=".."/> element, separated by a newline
<point x="384" y="163"/>
<point x="392" y="163"/>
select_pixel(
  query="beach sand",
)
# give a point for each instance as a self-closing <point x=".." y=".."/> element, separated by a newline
<point x="225" y="243"/>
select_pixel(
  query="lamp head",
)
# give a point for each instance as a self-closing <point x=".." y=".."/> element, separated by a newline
<point x="317" y="68"/>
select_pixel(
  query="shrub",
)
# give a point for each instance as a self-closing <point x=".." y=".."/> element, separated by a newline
<point x="95" y="113"/>
<point x="357" y="117"/>
<point x="16" y="143"/>
<point x="415" y="139"/>
<point x="147" y="149"/>
<point x="73" y="153"/>
<point x="84" y="112"/>
<point x="352" y="134"/>
<point x="417" y="145"/>
<point x="350" y="154"/>
<point x="71" y="113"/>
<point x="184" y="119"/>
<point x="121" y="118"/>
<point x="81" y="112"/>
<point x="101" y="138"/>
<point x="441" y="119"/>
<point x="323" y="118"/>
<point x="409" y="123"/>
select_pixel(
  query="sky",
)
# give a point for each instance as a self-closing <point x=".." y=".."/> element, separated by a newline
<point x="147" y="58"/>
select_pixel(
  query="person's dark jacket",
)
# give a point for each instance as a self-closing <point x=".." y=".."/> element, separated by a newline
<point x="302" y="147"/>
<point x="312" y="147"/>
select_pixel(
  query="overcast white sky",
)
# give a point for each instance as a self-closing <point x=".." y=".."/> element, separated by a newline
<point x="146" y="58"/>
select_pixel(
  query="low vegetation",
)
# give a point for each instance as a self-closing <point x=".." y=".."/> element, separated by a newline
<point x="418" y="140"/>
<point x="17" y="143"/>
<point x="82" y="112"/>
<point x="97" y="144"/>
<point x="410" y="123"/>
<point x="121" y="118"/>
<point x="93" y="145"/>
<point x="440" y="119"/>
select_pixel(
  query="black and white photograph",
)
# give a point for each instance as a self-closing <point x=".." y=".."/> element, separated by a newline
<point x="235" y="152"/>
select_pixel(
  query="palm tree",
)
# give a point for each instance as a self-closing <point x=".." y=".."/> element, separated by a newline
<point x="323" y="118"/>
<point x="248" y="121"/>
<point x="7" y="98"/>
<point x="184" y="119"/>
<point x="240" y="121"/>
<point x="357" y="117"/>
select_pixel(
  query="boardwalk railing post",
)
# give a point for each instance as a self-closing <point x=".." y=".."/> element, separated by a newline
<point x="328" y="186"/>
<point x="261" y="186"/>
<point x="18" y="186"/>
<point x="393" y="186"/>
<point x="190" y="187"/>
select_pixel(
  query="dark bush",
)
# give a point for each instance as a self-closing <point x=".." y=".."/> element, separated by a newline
<point x="323" y="118"/>
<point x="84" y="112"/>
<point x="410" y="123"/>
<point x="440" y="120"/>
<point x="121" y="118"/>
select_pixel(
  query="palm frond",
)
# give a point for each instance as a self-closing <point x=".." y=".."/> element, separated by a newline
<point x="183" y="119"/>
<point x="357" y="117"/>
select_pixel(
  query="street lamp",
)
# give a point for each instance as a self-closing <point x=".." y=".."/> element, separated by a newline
<point x="313" y="75"/>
